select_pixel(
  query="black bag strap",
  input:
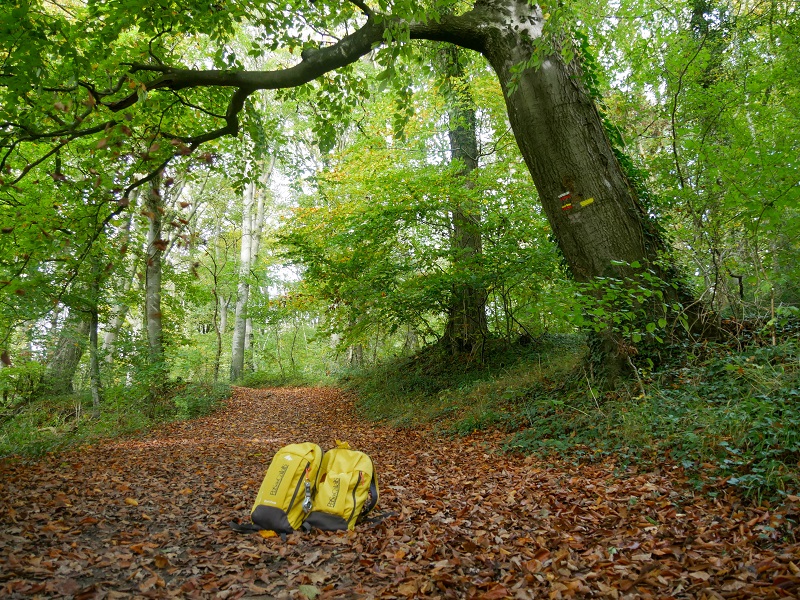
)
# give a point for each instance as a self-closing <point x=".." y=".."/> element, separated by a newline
<point x="377" y="518"/>
<point x="250" y="528"/>
<point x="244" y="527"/>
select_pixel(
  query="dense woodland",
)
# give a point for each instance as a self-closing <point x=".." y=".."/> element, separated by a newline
<point x="539" y="217"/>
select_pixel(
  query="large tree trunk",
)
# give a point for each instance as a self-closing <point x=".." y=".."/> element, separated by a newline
<point x="66" y="357"/>
<point x="592" y="207"/>
<point x="466" y="327"/>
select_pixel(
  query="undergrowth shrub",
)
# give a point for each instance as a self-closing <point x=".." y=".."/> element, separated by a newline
<point x="199" y="399"/>
<point x="18" y="383"/>
<point x="734" y="416"/>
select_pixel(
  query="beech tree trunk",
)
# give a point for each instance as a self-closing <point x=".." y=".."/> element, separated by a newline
<point x="252" y="224"/>
<point x="94" y="354"/>
<point x="119" y="311"/>
<point x="153" y="255"/>
<point x="66" y="357"/>
<point x="249" y="337"/>
<point x="466" y="326"/>
<point x="243" y="288"/>
<point x="224" y="303"/>
<point x="593" y="210"/>
<point x="355" y="356"/>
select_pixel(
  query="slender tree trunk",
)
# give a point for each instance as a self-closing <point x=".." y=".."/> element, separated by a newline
<point x="217" y="328"/>
<point x="119" y="311"/>
<point x="356" y="356"/>
<point x="154" y="205"/>
<point x="466" y="326"/>
<point x="294" y="342"/>
<point x="411" y="341"/>
<point x="243" y="288"/>
<point x="66" y="357"/>
<point x="5" y="362"/>
<point x="252" y="224"/>
<point x="278" y="348"/>
<point x="94" y="354"/>
<point x="249" y="337"/>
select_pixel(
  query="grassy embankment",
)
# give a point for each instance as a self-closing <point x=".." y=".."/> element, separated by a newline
<point x="722" y="414"/>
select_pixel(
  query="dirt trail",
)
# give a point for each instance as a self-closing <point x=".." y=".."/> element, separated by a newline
<point x="149" y="518"/>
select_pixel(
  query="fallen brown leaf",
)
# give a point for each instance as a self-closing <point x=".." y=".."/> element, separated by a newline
<point x="461" y="519"/>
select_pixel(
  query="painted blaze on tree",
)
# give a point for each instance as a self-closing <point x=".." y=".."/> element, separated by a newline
<point x="141" y="92"/>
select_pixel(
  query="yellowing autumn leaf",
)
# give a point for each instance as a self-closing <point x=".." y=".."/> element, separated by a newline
<point x="131" y="502"/>
<point x="267" y="533"/>
<point x="341" y="444"/>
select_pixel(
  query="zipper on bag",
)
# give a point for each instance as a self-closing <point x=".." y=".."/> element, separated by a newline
<point x="297" y="487"/>
<point x="355" y="489"/>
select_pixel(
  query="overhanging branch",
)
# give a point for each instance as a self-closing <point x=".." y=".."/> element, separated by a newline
<point x="468" y="30"/>
<point x="464" y="30"/>
<point x="364" y="8"/>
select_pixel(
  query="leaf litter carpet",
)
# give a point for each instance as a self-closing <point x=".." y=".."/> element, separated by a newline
<point x="149" y="518"/>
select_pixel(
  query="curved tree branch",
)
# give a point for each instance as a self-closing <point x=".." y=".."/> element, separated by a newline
<point x="464" y="30"/>
<point x="364" y="8"/>
<point x="53" y="150"/>
<point x="468" y="30"/>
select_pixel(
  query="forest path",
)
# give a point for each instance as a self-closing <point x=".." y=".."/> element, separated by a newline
<point x="148" y="517"/>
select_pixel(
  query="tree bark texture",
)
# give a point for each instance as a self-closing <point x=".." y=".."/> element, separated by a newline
<point x="94" y="364"/>
<point x="119" y="311"/>
<point x="154" y="207"/>
<point x="66" y="357"/>
<point x="224" y="303"/>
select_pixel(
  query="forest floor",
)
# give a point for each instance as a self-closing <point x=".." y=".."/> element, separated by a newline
<point x="149" y="518"/>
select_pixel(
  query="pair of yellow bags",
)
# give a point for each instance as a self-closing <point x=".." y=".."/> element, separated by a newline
<point x="306" y="487"/>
